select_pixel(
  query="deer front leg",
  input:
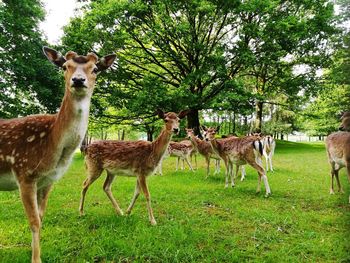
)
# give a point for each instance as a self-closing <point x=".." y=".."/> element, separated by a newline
<point x="143" y="185"/>
<point x="134" y="198"/>
<point x="28" y="192"/>
<point x="42" y="197"/>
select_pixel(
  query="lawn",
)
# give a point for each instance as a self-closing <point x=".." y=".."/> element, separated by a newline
<point x="198" y="220"/>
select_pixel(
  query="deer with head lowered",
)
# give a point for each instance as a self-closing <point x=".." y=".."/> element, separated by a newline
<point x="239" y="151"/>
<point x="338" y="151"/>
<point x="129" y="158"/>
<point x="36" y="150"/>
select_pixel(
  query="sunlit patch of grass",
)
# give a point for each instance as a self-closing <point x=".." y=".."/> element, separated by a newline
<point x="198" y="220"/>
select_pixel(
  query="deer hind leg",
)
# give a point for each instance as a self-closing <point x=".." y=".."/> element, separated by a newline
<point x="188" y="163"/>
<point x="232" y="174"/>
<point x="28" y="194"/>
<point x="267" y="161"/>
<point x="270" y="160"/>
<point x="207" y="161"/>
<point x="243" y="173"/>
<point x="227" y="166"/>
<point x="107" y="187"/>
<point x="143" y="185"/>
<point x="336" y="173"/>
<point x="134" y="198"/>
<point x="331" y="190"/>
<point x="42" y="197"/>
<point x="262" y="176"/>
<point x="93" y="173"/>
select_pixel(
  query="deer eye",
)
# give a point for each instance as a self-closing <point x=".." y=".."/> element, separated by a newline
<point x="64" y="67"/>
<point x="95" y="70"/>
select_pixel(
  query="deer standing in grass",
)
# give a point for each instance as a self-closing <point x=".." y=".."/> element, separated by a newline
<point x="36" y="150"/>
<point x="129" y="158"/>
<point x="204" y="148"/>
<point x="239" y="151"/>
<point x="338" y="151"/>
<point x="182" y="151"/>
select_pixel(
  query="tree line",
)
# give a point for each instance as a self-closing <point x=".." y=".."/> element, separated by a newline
<point x="283" y="65"/>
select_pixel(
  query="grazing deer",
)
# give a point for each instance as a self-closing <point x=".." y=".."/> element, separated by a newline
<point x="129" y="158"/>
<point x="338" y="150"/>
<point x="269" y="150"/>
<point x="36" y="150"/>
<point x="204" y="148"/>
<point x="239" y="151"/>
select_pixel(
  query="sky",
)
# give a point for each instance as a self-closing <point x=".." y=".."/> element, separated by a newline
<point x="58" y="14"/>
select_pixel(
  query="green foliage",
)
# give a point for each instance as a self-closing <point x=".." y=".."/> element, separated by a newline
<point x="198" y="220"/>
<point x="28" y="82"/>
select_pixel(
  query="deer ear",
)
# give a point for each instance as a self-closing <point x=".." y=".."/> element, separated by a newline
<point x="182" y="114"/>
<point x="105" y="62"/>
<point x="204" y="128"/>
<point x="54" y="57"/>
<point x="160" y="114"/>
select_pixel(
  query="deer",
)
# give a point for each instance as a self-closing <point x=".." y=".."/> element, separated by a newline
<point x="36" y="150"/>
<point x="182" y="151"/>
<point x="205" y="149"/>
<point x="239" y="151"/>
<point x="129" y="158"/>
<point x="338" y="151"/>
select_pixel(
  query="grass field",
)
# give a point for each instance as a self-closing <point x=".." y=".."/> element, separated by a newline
<point x="198" y="220"/>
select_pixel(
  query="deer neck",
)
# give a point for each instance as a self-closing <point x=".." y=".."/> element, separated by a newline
<point x="195" y="141"/>
<point x="161" y="144"/>
<point x="215" y="145"/>
<point x="72" y="120"/>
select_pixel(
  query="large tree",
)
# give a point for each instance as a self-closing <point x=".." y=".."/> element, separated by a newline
<point x="28" y="83"/>
<point x="196" y="49"/>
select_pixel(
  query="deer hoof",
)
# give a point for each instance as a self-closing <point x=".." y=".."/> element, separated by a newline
<point x="153" y="222"/>
<point x="331" y="192"/>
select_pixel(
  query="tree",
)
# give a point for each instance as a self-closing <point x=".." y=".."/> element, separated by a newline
<point x="28" y="82"/>
<point x="195" y="50"/>
<point x="179" y="45"/>
<point x="283" y="35"/>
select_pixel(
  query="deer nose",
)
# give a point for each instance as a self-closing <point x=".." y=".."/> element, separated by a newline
<point x="341" y="128"/>
<point x="176" y="130"/>
<point x="78" y="82"/>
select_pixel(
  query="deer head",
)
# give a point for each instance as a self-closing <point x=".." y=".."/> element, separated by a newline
<point x="79" y="71"/>
<point x="172" y="119"/>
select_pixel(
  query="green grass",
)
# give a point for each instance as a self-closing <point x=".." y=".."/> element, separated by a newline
<point x="198" y="220"/>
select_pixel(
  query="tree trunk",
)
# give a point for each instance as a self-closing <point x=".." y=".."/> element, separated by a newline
<point x="258" y="119"/>
<point x="193" y="122"/>
<point x="282" y="136"/>
<point x="149" y="135"/>
<point x="234" y="123"/>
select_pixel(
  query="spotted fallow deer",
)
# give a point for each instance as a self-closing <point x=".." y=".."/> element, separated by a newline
<point x="36" y="150"/>
<point x="204" y="148"/>
<point x="239" y="151"/>
<point x="129" y="158"/>
<point x="338" y="151"/>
